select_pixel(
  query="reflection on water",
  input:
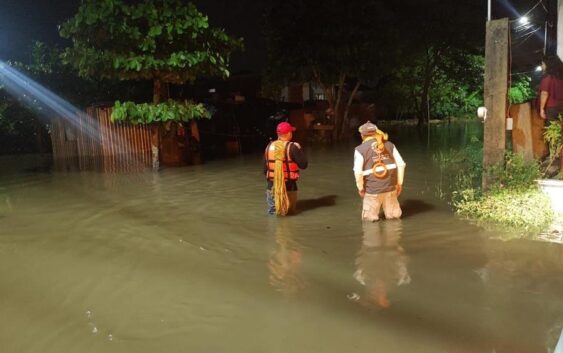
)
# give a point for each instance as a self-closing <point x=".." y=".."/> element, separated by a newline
<point x="381" y="263"/>
<point x="286" y="260"/>
<point x="519" y="285"/>
<point x="184" y="260"/>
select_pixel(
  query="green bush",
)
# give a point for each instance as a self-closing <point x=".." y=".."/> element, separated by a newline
<point x="515" y="174"/>
<point x="521" y="90"/>
<point x="524" y="209"/>
<point x="552" y="136"/>
<point x="147" y="113"/>
<point x="462" y="167"/>
<point x="513" y="200"/>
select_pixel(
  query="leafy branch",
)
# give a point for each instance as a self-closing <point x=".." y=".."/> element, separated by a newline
<point x="147" y="113"/>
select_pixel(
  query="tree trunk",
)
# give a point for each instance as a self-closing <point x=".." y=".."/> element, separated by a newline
<point x="338" y="113"/>
<point x="155" y="129"/>
<point x="345" y="120"/>
<point x="329" y="95"/>
<point x="424" y="113"/>
<point x="195" y="143"/>
<point x="432" y="62"/>
<point x="160" y="93"/>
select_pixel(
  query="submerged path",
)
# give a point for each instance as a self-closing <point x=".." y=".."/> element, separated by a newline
<point x="185" y="260"/>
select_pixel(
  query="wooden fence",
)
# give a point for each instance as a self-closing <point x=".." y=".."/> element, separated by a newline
<point x="92" y="142"/>
<point x="527" y="133"/>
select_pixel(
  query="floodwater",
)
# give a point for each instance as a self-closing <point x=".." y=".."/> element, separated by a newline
<point x="185" y="260"/>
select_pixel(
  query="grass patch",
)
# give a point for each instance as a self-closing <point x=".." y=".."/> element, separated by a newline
<point x="513" y="200"/>
<point x="522" y="209"/>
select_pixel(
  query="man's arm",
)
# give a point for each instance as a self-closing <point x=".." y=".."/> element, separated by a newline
<point x="400" y="169"/>
<point x="544" y="94"/>
<point x="297" y="155"/>
<point x="264" y="157"/>
<point x="359" y="172"/>
<point x="543" y="100"/>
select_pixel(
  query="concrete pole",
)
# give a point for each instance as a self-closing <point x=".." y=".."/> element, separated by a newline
<point x="496" y="94"/>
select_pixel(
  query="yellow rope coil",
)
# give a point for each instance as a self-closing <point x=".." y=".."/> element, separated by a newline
<point x="280" y="193"/>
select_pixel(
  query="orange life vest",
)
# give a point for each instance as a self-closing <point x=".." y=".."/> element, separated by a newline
<point x="290" y="168"/>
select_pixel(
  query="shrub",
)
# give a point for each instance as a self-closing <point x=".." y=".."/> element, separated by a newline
<point x="515" y="174"/>
<point x="524" y="209"/>
<point x="513" y="200"/>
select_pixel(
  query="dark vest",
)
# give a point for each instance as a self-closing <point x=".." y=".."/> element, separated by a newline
<point x="372" y="184"/>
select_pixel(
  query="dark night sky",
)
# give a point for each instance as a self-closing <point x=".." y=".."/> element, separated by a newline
<point x="528" y="41"/>
<point x="23" y="21"/>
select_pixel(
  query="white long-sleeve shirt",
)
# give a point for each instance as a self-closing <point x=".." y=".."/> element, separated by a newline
<point x="359" y="168"/>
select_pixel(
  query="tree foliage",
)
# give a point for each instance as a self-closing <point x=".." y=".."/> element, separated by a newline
<point x="159" y="40"/>
<point x="552" y="136"/>
<point x="513" y="199"/>
<point x="330" y="42"/>
<point x="455" y="88"/>
<point x="162" y="112"/>
<point x="425" y="54"/>
<point x="153" y="39"/>
<point x="521" y="90"/>
<point x="440" y="46"/>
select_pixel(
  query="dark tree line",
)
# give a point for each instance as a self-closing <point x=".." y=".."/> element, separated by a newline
<point x="423" y="57"/>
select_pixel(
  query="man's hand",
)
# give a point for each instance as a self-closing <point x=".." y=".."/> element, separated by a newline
<point x="399" y="188"/>
<point x="542" y="114"/>
<point x="362" y="193"/>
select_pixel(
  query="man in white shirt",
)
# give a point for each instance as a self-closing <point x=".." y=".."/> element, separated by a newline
<point x="379" y="170"/>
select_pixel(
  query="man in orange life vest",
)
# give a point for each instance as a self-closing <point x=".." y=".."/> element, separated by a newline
<point x="379" y="170"/>
<point x="292" y="159"/>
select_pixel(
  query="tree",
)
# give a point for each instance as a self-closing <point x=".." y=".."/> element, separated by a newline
<point x="163" y="41"/>
<point x="21" y="115"/>
<point x="25" y="116"/>
<point x="330" y="42"/>
<point x="436" y="36"/>
<point x="455" y="87"/>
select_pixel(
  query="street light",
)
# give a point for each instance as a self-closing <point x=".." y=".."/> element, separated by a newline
<point x="524" y="20"/>
<point x="488" y="10"/>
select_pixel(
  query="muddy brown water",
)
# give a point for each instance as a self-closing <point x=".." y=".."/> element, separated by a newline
<point x="185" y="260"/>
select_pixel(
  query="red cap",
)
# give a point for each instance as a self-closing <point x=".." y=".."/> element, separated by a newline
<point x="284" y="128"/>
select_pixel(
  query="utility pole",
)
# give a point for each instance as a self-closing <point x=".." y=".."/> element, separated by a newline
<point x="496" y="94"/>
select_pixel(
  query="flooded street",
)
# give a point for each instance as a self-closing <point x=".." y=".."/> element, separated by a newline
<point x="185" y="260"/>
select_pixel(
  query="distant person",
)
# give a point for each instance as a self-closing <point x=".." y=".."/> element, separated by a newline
<point x="379" y="170"/>
<point x="282" y="161"/>
<point x="551" y="89"/>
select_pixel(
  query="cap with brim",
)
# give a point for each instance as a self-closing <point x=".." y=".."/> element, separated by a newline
<point x="284" y="128"/>
<point x="368" y="128"/>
